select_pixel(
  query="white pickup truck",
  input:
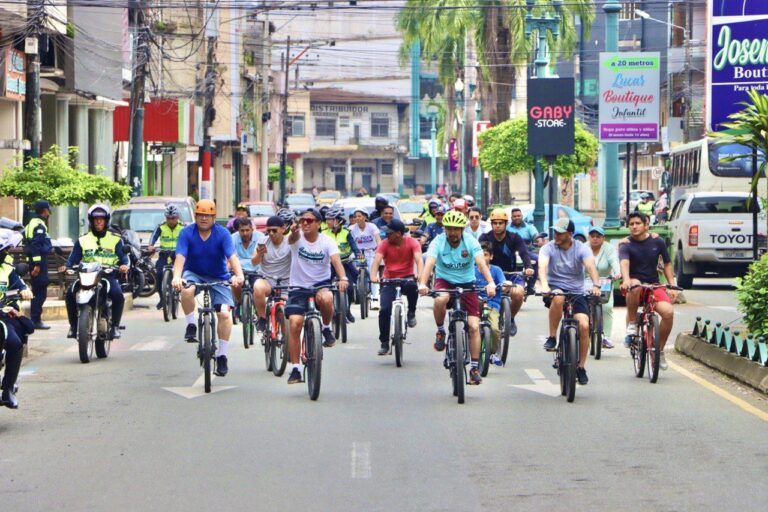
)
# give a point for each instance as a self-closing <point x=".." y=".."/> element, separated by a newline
<point x="712" y="235"/>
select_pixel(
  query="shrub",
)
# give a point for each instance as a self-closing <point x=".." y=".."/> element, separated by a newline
<point x="752" y="293"/>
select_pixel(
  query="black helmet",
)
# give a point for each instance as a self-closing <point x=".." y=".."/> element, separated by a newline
<point x="381" y="201"/>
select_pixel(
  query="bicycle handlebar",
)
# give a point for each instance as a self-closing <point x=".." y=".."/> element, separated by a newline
<point x="189" y="284"/>
<point x="400" y="281"/>
<point x="654" y="286"/>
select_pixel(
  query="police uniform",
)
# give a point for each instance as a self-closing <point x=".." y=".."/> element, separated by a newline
<point x="347" y="247"/>
<point x="168" y="237"/>
<point x="38" y="247"/>
<point x="11" y="338"/>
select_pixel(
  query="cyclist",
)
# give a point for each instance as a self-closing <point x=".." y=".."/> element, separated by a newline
<point x="167" y="233"/>
<point x="561" y="268"/>
<point x="435" y="229"/>
<point x="453" y="255"/>
<point x="240" y="213"/>
<point x="348" y="250"/>
<point x="607" y="262"/>
<point x="367" y="238"/>
<point x="203" y="251"/>
<point x="274" y="257"/>
<point x="102" y="246"/>
<point x="16" y="326"/>
<point x="400" y="253"/>
<point x="524" y="230"/>
<point x="312" y="255"/>
<point x="38" y="245"/>
<point x="506" y="248"/>
<point x="639" y="262"/>
<point x="386" y="215"/>
<point x="477" y="226"/>
<point x="428" y="215"/>
<point x="469" y="200"/>
<point x="245" y="241"/>
<point x="494" y="303"/>
<point x="460" y="205"/>
<point x="380" y="202"/>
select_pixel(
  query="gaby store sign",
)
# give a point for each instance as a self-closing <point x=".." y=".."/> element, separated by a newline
<point x="738" y="56"/>
<point x="551" y="125"/>
<point x="629" y="96"/>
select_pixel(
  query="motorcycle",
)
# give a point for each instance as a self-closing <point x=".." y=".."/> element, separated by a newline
<point x="141" y="280"/>
<point x="94" y="317"/>
<point x="11" y="296"/>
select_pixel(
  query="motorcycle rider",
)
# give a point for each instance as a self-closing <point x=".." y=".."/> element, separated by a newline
<point x="38" y="245"/>
<point x="16" y="326"/>
<point x="102" y="246"/>
<point x="348" y="250"/>
<point x="380" y="203"/>
<point x="167" y="233"/>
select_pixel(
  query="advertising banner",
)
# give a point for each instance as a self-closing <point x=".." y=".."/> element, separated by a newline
<point x="14" y="76"/>
<point x="453" y="155"/>
<point x="551" y="112"/>
<point x="737" y="56"/>
<point x="478" y="128"/>
<point x="629" y="96"/>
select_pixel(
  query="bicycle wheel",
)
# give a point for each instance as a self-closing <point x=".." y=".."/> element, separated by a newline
<point x="85" y="336"/>
<point x="278" y="347"/>
<point x="653" y="343"/>
<point x="362" y="293"/>
<point x="150" y="282"/>
<point x="343" y="307"/>
<point x="571" y="361"/>
<point x="246" y="308"/>
<point x="459" y="375"/>
<point x="505" y="325"/>
<point x="167" y="296"/>
<point x="336" y="319"/>
<point x="597" y="331"/>
<point x="639" y="351"/>
<point x="485" y="349"/>
<point x="206" y="349"/>
<point x="313" y="347"/>
<point x="397" y="333"/>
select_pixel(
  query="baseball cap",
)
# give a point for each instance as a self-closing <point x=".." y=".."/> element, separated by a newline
<point x="395" y="226"/>
<point x="597" y="229"/>
<point x="275" y="222"/>
<point x="42" y="205"/>
<point x="563" y="225"/>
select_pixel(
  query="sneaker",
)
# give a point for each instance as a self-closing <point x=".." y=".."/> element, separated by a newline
<point x="581" y="376"/>
<point x="8" y="399"/>
<point x="411" y="320"/>
<point x="295" y="377"/>
<point x="513" y="327"/>
<point x="261" y="324"/>
<point x="160" y="305"/>
<point x="191" y="333"/>
<point x="72" y="333"/>
<point x="384" y="350"/>
<point x="40" y="325"/>
<point x="496" y="360"/>
<point x="115" y="332"/>
<point x="474" y="377"/>
<point x="350" y="317"/>
<point x="550" y="344"/>
<point x="632" y="329"/>
<point x="374" y="304"/>
<point x="221" y="366"/>
<point x="330" y="339"/>
<point x="663" y="361"/>
<point x="607" y="343"/>
<point x="440" y="341"/>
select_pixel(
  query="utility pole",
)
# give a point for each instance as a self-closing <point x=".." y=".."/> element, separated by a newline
<point x="32" y="123"/>
<point x="266" y="64"/>
<point x="140" y="60"/>
<point x="284" y="155"/>
<point x="209" y="113"/>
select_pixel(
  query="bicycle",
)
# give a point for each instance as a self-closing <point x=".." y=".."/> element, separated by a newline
<point x="206" y="328"/>
<point x="645" y="347"/>
<point x="567" y="352"/>
<point x="596" y="316"/>
<point x="312" y="342"/>
<point x="275" y="338"/>
<point x="247" y="309"/>
<point x="363" y="289"/>
<point x="398" y="321"/>
<point x="486" y="337"/>
<point x="505" y="318"/>
<point x="170" y="297"/>
<point x="340" y="308"/>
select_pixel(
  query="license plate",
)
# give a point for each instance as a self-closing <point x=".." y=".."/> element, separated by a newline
<point x="736" y="254"/>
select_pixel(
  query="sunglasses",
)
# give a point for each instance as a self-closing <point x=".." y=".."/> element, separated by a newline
<point x="273" y="231"/>
<point x="474" y="217"/>
<point x="307" y="221"/>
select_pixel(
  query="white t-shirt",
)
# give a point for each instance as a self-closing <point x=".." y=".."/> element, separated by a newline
<point x="364" y="238"/>
<point x="276" y="263"/>
<point x="311" y="262"/>
<point x="482" y="229"/>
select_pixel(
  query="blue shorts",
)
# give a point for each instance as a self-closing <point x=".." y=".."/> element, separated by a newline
<point x="298" y="300"/>
<point x="220" y="295"/>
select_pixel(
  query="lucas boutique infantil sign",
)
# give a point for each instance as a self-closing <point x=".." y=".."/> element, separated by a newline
<point x="629" y="96"/>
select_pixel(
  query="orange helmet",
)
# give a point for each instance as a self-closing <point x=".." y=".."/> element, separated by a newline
<point x="206" y="207"/>
<point x="499" y="214"/>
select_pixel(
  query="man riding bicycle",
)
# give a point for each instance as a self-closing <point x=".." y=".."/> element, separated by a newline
<point x="273" y="255"/>
<point x="524" y="230"/>
<point x="561" y="269"/>
<point x="453" y="255"/>
<point x="367" y="238"/>
<point x="245" y="240"/>
<point x="639" y="259"/>
<point x="312" y="255"/>
<point x="507" y="246"/>
<point x="168" y="234"/>
<point x="435" y="229"/>
<point x="348" y="250"/>
<point x="203" y="251"/>
<point x="400" y="253"/>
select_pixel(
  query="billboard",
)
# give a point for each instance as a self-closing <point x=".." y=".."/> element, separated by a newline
<point x="629" y="96"/>
<point x="737" y="56"/>
<point x="551" y="112"/>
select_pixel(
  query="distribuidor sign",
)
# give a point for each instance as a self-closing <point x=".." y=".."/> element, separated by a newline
<point x="551" y="127"/>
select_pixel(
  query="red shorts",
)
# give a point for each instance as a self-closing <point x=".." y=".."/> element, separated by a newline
<point x="469" y="301"/>
<point x="660" y="294"/>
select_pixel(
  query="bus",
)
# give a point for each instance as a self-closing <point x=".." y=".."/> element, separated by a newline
<point x="698" y="167"/>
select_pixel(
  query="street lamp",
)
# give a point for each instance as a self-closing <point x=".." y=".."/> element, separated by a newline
<point x="432" y="115"/>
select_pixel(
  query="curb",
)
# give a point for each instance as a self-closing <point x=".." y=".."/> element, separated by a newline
<point x="739" y="368"/>
<point x="57" y="309"/>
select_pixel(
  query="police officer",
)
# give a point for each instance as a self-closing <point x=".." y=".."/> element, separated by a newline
<point x="38" y="248"/>
<point x="167" y="233"/>
<point x="16" y="326"/>
<point x="348" y="250"/>
<point x="102" y="246"/>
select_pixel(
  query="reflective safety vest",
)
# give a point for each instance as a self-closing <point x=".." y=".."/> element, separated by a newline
<point x="101" y="250"/>
<point x="169" y="237"/>
<point x="5" y="278"/>
<point x="646" y="208"/>
<point x="342" y="240"/>
<point x="29" y="231"/>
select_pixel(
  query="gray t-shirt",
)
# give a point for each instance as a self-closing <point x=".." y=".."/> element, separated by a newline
<point x="276" y="263"/>
<point x="566" y="268"/>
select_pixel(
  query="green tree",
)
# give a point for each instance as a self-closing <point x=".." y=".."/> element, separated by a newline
<point x="504" y="150"/>
<point x="53" y="178"/>
<point x="274" y="173"/>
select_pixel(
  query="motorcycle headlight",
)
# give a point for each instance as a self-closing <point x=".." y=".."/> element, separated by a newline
<point x="88" y="279"/>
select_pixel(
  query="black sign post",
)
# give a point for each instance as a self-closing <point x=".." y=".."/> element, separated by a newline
<point x="551" y="125"/>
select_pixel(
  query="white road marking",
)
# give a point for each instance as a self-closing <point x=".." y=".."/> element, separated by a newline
<point x="540" y="384"/>
<point x="724" y="308"/>
<point x="360" y="464"/>
<point x="197" y="389"/>
<point x="151" y="345"/>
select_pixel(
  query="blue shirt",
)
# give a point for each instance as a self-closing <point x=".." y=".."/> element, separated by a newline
<point x="527" y="231"/>
<point x="244" y="254"/>
<point x="498" y="278"/>
<point x="433" y="230"/>
<point x="206" y="258"/>
<point x="457" y="266"/>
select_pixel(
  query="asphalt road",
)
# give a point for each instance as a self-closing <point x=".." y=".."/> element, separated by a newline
<point x="109" y="436"/>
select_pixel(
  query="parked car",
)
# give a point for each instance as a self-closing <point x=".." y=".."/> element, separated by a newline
<point x="634" y="198"/>
<point x="328" y="197"/>
<point x="186" y="205"/>
<point x="259" y="212"/>
<point x="142" y="218"/>
<point x="410" y="210"/>
<point x="350" y="204"/>
<point x="299" y="201"/>
<point x="581" y="222"/>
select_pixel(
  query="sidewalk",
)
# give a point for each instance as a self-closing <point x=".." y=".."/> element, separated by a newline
<point x="55" y="309"/>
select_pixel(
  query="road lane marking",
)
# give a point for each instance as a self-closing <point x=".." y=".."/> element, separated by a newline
<point x="747" y="407"/>
<point x="731" y="309"/>
<point x="360" y="464"/>
<point x="151" y="345"/>
<point x="198" y="389"/>
<point x="540" y="384"/>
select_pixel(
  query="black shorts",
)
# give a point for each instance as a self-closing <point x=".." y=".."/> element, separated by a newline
<point x="298" y="300"/>
<point x="579" y="301"/>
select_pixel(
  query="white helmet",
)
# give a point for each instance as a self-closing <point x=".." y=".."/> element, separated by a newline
<point x="99" y="210"/>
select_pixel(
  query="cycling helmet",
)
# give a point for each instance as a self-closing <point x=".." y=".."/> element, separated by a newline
<point x="335" y="212"/>
<point x="470" y="200"/>
<point x="460" y="205"/>
<point x="440" y="210"/>
<point x="286" y="215"/>
<point x="455" y="219"/>
<point x="172" y="211"/>
<point x="99" y="210"/>
<point x="434" y="203"/>
<point x="205" y="207"/>
<point x="363" y="211"/>
<point x="499" y="214"/>
<point x="323" y="210"/>
<point x="381" y="201"/>
<point x="9" y="239"/>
